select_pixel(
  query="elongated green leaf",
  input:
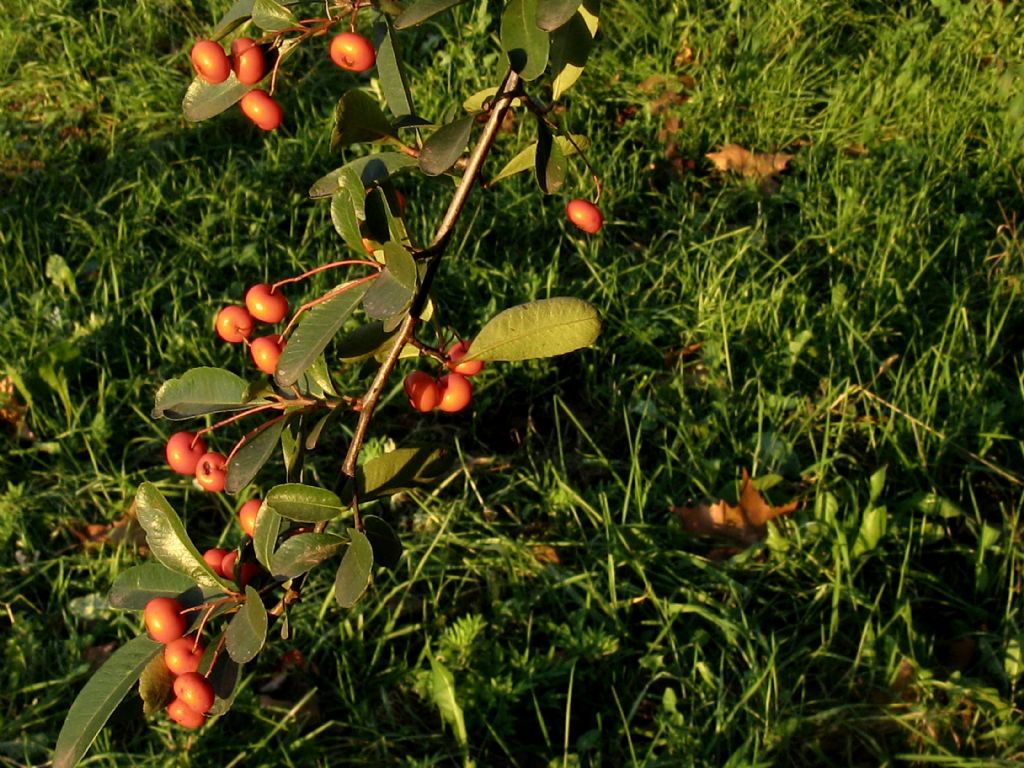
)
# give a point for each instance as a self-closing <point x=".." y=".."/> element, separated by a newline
<point x="550" y="166"/>
<point x="224" y="678"/>
<point x="302" y="552"/>
<point x="478" y="100"/>
<point x="421" y="11"/>
<point x="393" y="291"/>
<point x="168" y="540"/>
<point x="370" y="170"/>
<point x="445" y="146"/>
<point x="570" y="47"/>
<point x="238" y="14"/>
<point x="304" y="503"/>
<point x="363" y="342"/>
<point x="317" y="382"/>
<point x="100" y="696"/>
<point x="264" y="538"/>
<point x="252" y="455"/>
<point x="442" y="691"/>
<point x="387" y="547"/>
<point x="551" y="14"/>
<point x="136" y="586"/>
<point x="525" y="44"/>
<point x="381" y="222"/>
<point x="199" y="391"/>
<point x="204" y="100"/>
<point x="400" y="470"/>
<point x="527" y="159"/>
<point x="393" y="81"/>
<point x="358" y="117"/>
<point x="314" y="332"/>
<point x="345" y="218"/>
<point x="544" y="328"/>
<point x="354" y="572"/>
<point x="313" y="435"/>
<point x="247" y="632"/>
<point x="271" y="16"/>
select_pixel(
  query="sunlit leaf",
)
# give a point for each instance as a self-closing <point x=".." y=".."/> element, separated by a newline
<point x="393" y="81"/>
<point x="527" y="158"/>
<point x="525" y="44"/>
<point x="264" y="538"/>
<point x="570" y="47"/>
<point x="247" y="632"/>
<point x="271" y="16"/>
<point x="400" y="470"/>
<point x="354" y="572"/>
<point x="393" y="291"/>
<point x="155" y="686"/>
<point x="442" y="691"/>
<point x="370" y="169"/>
<point x="303" y="551"/>
<point x="200" y="391"/>
<point x="136" y="586"/>
<point x="304" y="503"/>
<point x="543" y="328"/>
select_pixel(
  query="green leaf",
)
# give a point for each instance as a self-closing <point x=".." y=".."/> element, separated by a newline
<point x="345" y="218"/>
<point x="370" y="169"/>
<point x="358" y="117"/>
<point x="400" y="470"/>
<point x="136" y="586"/>
<point x="393" y="291"/>
<point x="393" y="81"/>
<point x="478" y="100"/>
<point x="155" y="685"/>
<point x="199" y="391"/>
<point x="318" y="381"/>
<point x="271" y="16"/>
<point x="527" y="159"/>
<point x="570" y="47"/>
<point x="551" y="14"/>
<point x="313" y="436"/>
<point x="551" y="165"/>
<point x="421" y="11"/>
<point x="354" y="572"/>
<point x="224" y="678"/>
<point x="363" y="342"/>
<point x="304" y="503"/>
<point x="445" y="146"/>
<point x="525" y="44"/>
<point x="381" y="223"/>
<point x="168" y="540"/>
<point x="387" y="547"/>
<point x="204" y="100"/>
<point x="442" y="691"/>
<point x="872" y="529"/>
<point x="247" y="632"/>
<point x="302" y="552"/>
<point x="315" y="331"/>
<point x="252" y="454"/>
<point x="264" y="538"/>
<point x="238" y="14"/>
<point x="543" y="328"/>
<point x="100" y="697"/>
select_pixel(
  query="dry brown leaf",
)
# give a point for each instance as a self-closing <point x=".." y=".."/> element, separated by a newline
<point x="744" y="524"/>
<point x="734" y="158"/>
<point x="125" y="531"/>
<point x="12" y="411"/>
<point x="546" y="555"/>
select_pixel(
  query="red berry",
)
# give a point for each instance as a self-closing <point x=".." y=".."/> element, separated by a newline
<point x="183" y="655"/>
<point x="210" y="61"/>
<point x="226" y="568"/>
<point x="584" y="215"/>
<point x="422" y="391"/>
<point x="456" y="392"/>
<point x="183" y="451"/>
<point x="213" y="558"/>
<point x="353" y="52"/>
<point x="266" y="304"/>
<point x="260" y="107"/>
<point x="266" y="351"/>
<point x="458" y="351"/>
<point x="247" y="515"/>
<point x="245" y="572"/>
<point x="211" y="473"/>
<point x="234" y="323"/>
<point x="195" y="691"/>
<point x="247" y="61"/>
<point x="163" y="619"/>
<point x="184" y="715"/>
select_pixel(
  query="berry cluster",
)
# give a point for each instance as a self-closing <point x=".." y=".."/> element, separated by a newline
<point x="187" y="455"/>
<point x="193" y="694"/>
<point x="449" y="393"/>
<point x="235" y="322"/>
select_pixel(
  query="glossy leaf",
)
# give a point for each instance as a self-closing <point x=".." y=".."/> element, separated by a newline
<point x="527" y="159"/>
<point x="247" y="633"/>
<point x="136" y="586"/>
<point x="544" y="328"/>
<point x="314" y="332"/>
<point x="155" y="684"/>
<point x="363" y="342"/>
<point x="354" y="572"/>
<point x="251" y="456"/>
<point x="393" y="291"/>
<point x="445" y="146"/>
<point x="387" y="547"/>
<point x="238" y="14"/>
<point x="526" y="45"/>
<point x="442" y="691"/>
<point x="302" y="552"/>
<point x="304" y="503"/>
<point x="422" y="10"/>
<point x="271" y="16"/>
<point x="168" y="540"/>
<point x="358" y="117"/>
<point x="345" y="219"/>
<point x="264" y="538"/>
<point x="199" y="391"/>
<point x="393" y="81"/>
<point x="570" y="47"/>
<point x="550" y="167"/>
<point x="551" y="14"/>
<point x="400" y="470"/>
<point x="370" y="170"/>
<point x="204" y="100"/>
<point x="100" y="697"/>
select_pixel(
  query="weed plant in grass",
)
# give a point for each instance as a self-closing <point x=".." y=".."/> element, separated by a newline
<point x="853" y="336"/>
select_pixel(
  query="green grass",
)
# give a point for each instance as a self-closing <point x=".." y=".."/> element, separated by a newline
<point x="861" y="335"/>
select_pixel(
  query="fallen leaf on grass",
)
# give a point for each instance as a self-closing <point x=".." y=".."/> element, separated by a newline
<point x="734" y="158"/>
<point x="126" y="531"/>
<point x="743" y="524"/>
<point x="12" y="411"/>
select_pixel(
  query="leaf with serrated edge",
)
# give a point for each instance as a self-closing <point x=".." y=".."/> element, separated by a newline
<point x="251" y="456"/>
<point x="247" y="632"/>
<point x="100" y="697"/>
<point x="543" y="328"/>
<point x="526" y="45"/>
<point x="304" y="503"/>
<point x="354" y="572"/>
<point x="302" y="552"/>
<point x="423" y="10"/>
<point x="199" y="391"/>
<point x="264" y="539"/>
<point x="445" y="146"/>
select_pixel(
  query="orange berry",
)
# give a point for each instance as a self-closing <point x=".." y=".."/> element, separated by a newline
<point x="247" y="515"/>
<point x="234" y="323"/>
<point x="266" y="351"/>
<point x="183" y="451"/>
<point x="210" y="61"/>
<point x="584" y="215"/>
<point x="422" y="391"/>
<point x="163" y="619"/>
<point x="247" y="61"/>
<point x="266" y="304"/>
<point x="226" y="568"/>
<point x="213" y="558"/>
<point x="458" y="351"/>
<point x="195" y="691"/>
<point x="260" y="107"/>
<point x="456" y="392"/>
<point x="245" y="572"/>
<point x="353" y="52"/>
<point x="184" y="715"/>
<point x="183" y="655"/>
<point x="211" y="473"/>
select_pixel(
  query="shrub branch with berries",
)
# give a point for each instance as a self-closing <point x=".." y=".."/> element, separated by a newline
<point x="207" y="614"/>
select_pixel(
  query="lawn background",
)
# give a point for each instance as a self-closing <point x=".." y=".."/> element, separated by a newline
<point x="852" y="336"/>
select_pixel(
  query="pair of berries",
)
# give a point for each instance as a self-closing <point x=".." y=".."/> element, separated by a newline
<point x="249" y="65"/>
<point x="450" y="393"/>
<point x="194" y="695"/>
<point x="223" y="562"/>
<point x="585" y="215"/>
<point x="187" y="455"/>
<point x="235" y="323"/>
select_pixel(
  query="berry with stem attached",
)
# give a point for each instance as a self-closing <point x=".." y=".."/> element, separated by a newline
<point x="260" y="107"/>
<point x="195" y="691"/>
<point x="266" y="351"/>
<point x="353" y="52"/>
<point x="456" y="392"/>
<point x="266" y="304"/>
<point x="455" y="354"/>
<point x="163" y="619"/>
<point x="184" y="715"/>
<point x="422" y="391"/>
<point x="211" y="472"/>
<point x="183" y="655"/>
<point x="210" y="61"/>
<point x="247" y="61"/>
<point x="585" y="215"/>
<point x="183" y="451"/>
<point x="247" y="515"/>
<point x="234" y="323"/>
